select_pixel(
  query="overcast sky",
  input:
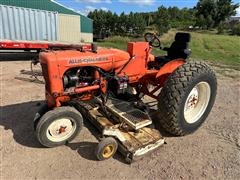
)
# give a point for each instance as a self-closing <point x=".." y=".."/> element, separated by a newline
<point x="118" y="6"/>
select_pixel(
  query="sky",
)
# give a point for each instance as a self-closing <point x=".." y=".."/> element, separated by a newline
<point x="119" y="6"/>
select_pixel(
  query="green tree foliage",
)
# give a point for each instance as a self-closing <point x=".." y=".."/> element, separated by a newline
<point x="236" y="29"/>
<point x="221" y="27"/>
<point x="210" y="13"/>
<point x="107" y="23"/>
<point x="225" y="9"/>
<point x="181" y="18"/>
<point x="207" y="14"/>
<point x="162" y="20"/>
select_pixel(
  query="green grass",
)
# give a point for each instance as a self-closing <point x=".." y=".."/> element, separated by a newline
<point x="217" y="48"/>
<point x="205" y="46"/>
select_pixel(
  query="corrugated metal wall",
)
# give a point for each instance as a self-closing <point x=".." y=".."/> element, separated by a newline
<point x="49" y="5"/>
<point x="18" y="23"/>
<point x="69" y="28"/>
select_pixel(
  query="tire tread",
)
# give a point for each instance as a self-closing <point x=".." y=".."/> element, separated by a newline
<point x="171" y="94"/>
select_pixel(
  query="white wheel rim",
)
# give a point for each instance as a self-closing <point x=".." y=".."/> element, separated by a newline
<point x="60" y="129"/>
<point x="197" y="102"/>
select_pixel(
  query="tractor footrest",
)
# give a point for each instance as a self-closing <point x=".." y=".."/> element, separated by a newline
<point x="132" y="116"/>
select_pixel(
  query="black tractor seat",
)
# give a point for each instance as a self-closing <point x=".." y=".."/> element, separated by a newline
<point x="178" y="49"/>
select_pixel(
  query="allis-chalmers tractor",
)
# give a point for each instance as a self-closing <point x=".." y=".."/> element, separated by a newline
<point x="116" y="90"/>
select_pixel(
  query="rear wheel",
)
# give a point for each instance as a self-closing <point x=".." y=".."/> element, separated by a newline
<point x="58" y="126"/>
<point x="187" y="98"/>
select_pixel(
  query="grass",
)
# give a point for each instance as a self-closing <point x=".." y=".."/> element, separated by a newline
<point x="205" y="46"/>
<point x="216" y="48"/>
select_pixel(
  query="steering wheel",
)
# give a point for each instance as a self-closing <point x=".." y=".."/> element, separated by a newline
<point x="153" y="40"/>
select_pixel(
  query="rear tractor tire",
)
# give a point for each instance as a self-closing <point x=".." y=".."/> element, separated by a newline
<point x="187" y="98"/>
<point x="58" y="126"/>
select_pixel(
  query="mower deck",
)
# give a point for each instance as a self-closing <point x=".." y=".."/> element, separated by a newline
<point x="133" y="137"/>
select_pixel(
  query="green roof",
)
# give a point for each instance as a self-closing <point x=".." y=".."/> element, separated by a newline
<point x="49" y="5"/>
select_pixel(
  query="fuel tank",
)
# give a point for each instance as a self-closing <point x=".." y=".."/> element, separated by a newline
<point x="107" y="59"/>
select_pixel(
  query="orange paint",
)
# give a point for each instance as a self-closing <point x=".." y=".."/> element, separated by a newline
<point x="134" y="61"/>
<point x="170" y="67"/>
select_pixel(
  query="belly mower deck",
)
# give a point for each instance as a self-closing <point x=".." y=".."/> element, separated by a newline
<point x="126" y="124"/>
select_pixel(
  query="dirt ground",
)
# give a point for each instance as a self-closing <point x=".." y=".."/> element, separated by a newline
<point x="213" y="152"/>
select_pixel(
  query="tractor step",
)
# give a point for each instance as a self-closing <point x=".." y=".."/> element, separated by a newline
<point x="127" y="113"/>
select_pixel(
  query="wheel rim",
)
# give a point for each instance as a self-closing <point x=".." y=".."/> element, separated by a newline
<point x="61" y="129"/>
<point x="197" y="102"/>
<point x="107" y="152"/>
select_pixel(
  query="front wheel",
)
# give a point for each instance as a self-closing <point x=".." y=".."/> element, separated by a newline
<point x="187" y="98"/>
<point x="58" y="126"/>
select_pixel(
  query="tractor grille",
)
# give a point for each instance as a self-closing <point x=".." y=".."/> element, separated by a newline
<point x="46" y="76"/>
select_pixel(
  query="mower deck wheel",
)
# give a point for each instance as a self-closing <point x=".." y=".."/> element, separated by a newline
<point x="106" y="148"/>
<point x="58" y="126"/>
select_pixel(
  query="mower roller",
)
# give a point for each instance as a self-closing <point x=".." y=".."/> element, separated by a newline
<point x="107" y="87"/>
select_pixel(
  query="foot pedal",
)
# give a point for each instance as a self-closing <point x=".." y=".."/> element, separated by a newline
<point x="134" y="117"/>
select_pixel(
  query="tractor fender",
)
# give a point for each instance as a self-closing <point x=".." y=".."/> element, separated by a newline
<point x="170" y="67"/>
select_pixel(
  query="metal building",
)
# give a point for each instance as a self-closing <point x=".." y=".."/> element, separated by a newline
<point x="70" y="25"/>
<point x="17" y="23"/>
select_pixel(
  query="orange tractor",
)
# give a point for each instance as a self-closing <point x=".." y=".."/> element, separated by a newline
<point x="116" y="90"/>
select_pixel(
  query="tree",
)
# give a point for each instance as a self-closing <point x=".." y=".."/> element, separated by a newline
<point x="209" y="21"/>
<point x="122" y="24"/>
<point x="201" y="21"/>
<point x="174" y="13"/>
<point x="149" y="19"/>
<point x="206" y="10"/>
<point x="162" y="20"/>
<point x="99" y="21"/>
<point x="107" y="23"/>
<point x="225" y="9"/>
<point x="214" y="11"/>
<point x="236" y="29"/>
<point x="139" y="24"/>
<point x="221" y="27"/>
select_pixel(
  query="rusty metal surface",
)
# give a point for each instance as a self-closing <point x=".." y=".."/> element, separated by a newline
<point x="141" y="139"/>
<point x="101" y="119"/>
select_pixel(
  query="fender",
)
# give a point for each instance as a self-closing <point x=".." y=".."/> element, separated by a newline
<point x="170" y="67"/>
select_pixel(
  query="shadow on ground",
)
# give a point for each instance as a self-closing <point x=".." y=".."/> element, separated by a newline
<point x="19" y="119"/>
<point x="33" y="76"/>
<point x="85" y="149"/>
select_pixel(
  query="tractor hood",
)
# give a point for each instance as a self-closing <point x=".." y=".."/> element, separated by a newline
<point x="106" y="59"/>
